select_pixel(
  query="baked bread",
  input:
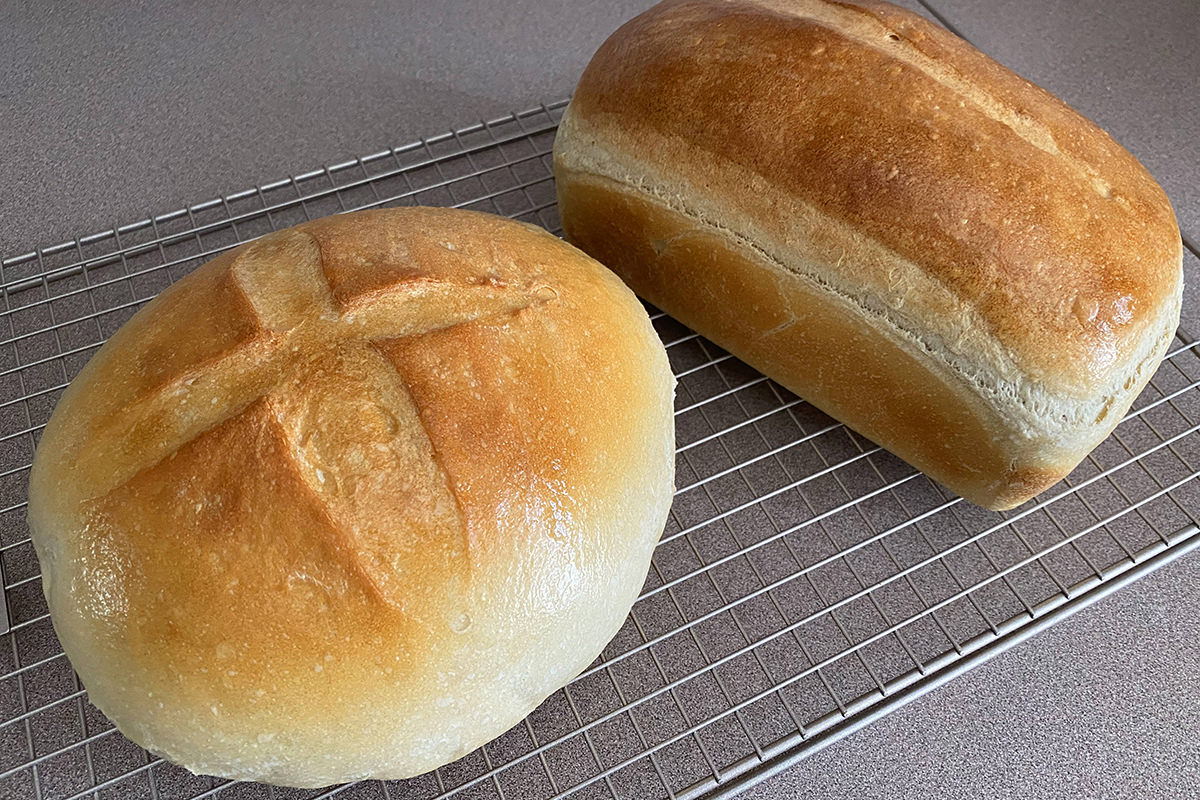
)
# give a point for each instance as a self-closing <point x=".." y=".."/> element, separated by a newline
<point x="889" y="223"/>
<point x="353" y="499"/>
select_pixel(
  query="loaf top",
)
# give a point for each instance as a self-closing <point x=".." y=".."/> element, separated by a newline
<point x="1024" y="241"/>
<point x="347" y="498"/>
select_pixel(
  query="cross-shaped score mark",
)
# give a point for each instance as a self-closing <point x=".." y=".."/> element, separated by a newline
<point x="354" y="432"/>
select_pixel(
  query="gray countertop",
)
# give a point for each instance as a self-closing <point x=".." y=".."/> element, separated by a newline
<point x="110" y="112"/>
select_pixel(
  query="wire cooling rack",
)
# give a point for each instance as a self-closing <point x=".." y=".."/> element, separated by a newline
<point x="807" y="581"/>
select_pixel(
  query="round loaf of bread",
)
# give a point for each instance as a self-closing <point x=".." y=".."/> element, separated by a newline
<point x="353" y="499"/>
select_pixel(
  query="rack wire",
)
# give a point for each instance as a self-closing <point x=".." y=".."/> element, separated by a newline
<point x="807" y="581"/>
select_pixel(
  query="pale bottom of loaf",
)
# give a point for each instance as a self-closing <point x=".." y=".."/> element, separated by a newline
<point x="811" y="341"/>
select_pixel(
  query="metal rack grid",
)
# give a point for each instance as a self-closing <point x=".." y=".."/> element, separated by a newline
<point x="807" y="581"/>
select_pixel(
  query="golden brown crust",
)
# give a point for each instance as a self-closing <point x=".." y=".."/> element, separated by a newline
<point x="406" y="485"/>
<point x="892" y="126"/>
<point x="868" y="161"/>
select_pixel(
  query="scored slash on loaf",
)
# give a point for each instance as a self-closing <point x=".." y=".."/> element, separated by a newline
<point x="861" y="205"/>
<point x="351" y="500"/>
<point x="307" y="341"/>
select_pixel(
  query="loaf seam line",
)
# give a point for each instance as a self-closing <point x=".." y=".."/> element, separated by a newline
<point x="1035" y="417"/>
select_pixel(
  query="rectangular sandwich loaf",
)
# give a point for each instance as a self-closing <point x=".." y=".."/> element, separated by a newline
<point x="892" y="225"/>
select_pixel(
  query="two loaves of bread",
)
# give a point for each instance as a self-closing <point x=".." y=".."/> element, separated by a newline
<point x="351" y="500"/>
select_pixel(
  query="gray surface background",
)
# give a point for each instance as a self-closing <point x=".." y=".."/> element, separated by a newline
<point x="110" y="112"/>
